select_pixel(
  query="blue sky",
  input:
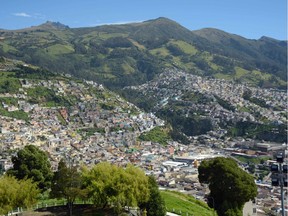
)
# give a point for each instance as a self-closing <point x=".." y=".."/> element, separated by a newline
<point x="248" y="18"/>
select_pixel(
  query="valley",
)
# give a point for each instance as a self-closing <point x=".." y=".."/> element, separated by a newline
<point x="153" y="94"/>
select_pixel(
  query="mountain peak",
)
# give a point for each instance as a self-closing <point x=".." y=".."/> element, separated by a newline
<point x="161" y="29"/>
<point x="160" y="20"/>
<point x="54" y="25"/>
<point x="268" y="39"/>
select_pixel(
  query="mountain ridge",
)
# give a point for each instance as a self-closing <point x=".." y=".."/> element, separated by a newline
<point x="117" y="55"/>
<point x="131" y="23"/>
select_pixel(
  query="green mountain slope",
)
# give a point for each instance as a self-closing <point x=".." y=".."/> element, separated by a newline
<point x="266" y="53"/>
<point x="121" y="55"/>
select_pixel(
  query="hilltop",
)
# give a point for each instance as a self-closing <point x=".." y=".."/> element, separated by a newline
<point x="130" y="54"/>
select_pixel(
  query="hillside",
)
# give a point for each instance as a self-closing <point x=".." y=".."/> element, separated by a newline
<point x="130" y="54"/>
<point x="63" y="114"/>
<point x="183" y="204"/>
<point x="206" y="108"/>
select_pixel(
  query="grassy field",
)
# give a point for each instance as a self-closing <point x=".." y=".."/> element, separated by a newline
<point x="186" y="47"/>
<point x="178" y="202"/>
<point x="59" y="49"/>
<point x="160" y="51"/>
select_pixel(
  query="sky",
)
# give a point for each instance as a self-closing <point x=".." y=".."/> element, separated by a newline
<point x="248" y="18"/>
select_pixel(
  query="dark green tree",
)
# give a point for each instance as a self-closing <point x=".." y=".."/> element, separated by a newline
<point x="155" y="206"/>
<point x="230" y="186"/>
<point x="67" y="183"/>
<point x="31" y="162"/>
<point x="1" y="169"/>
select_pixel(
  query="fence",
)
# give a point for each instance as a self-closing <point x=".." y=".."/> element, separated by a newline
<point x="40" y="205"/>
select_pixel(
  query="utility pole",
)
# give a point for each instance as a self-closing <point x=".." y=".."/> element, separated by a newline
<point x="279" y="176"/>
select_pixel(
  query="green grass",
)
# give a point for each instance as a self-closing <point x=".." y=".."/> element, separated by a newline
<point x="257" y="160"/>
<point x="223" y="76"/>
<point x="186" y="47"/>
<point x="59" y="49"/>
<point x="186" y="204"/>
<point x="104" y="35"/>
<point x="157" y="134"/>
<point x="7" y="48"/>
<point x="9" y="85"/>
<point x="252" y="77"/>
<point x="160" y="51"/>
<point x="135" y="43"/>
<point x="21" y="115"/>
<point x="240" y="72"/>
<point x="243" y="109"/>
<point x="127" y="68"/>
<point x="47" y="97"/>
<point x="9" y="101"/>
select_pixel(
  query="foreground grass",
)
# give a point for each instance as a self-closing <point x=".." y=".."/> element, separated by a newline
<point x="176" y="202"/>
<point x="188" y="205"/>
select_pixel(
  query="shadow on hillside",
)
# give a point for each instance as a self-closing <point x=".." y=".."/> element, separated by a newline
<point x="78" y="210"/>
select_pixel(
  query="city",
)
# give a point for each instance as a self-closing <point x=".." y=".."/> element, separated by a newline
<point x="65" y="132"/>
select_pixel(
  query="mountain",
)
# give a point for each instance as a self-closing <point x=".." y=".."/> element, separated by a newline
<point x="260" y="53"/>
<point x="51" y="26"/>
<point x="130" y="54"/>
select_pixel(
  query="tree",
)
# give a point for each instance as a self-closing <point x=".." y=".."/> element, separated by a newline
<point x="155" y="206"/>
<point x="67" y="183"/>
<point x="230" y="186"/>
<point x="16" y="193"/>
<point x="136" y="182"/>
<point x="33" y="163"/>
<point x="108" y="183"/>
<point x="2" y="169"/>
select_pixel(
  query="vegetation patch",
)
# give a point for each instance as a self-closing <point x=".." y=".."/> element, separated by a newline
<point x="160" y="51"/>
<point x="183" y="204"/>
<point x="19" y="114"/>
<point x="9" y="101"/>
<point x="186" y="47"/>
<point x="9" y="85"/>
<point x="46" y="96"/>
<point x="87" y="132"/>
<point x="223" y="76"/>
<point x="59" y="49"/>
<point x="254" y="160"/>
<point x="253" y="130"/>
<point x="157" y="134"/>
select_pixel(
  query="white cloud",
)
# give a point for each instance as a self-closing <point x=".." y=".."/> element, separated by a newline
<point x="22" y="14"/>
